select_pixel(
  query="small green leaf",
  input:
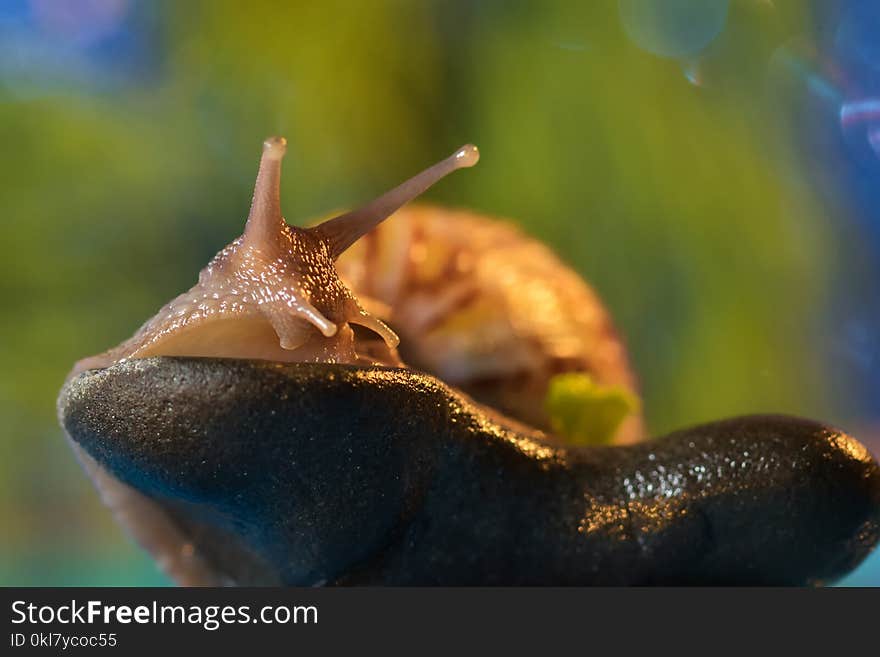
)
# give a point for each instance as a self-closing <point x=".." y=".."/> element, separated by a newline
<point x="584" y="412"/>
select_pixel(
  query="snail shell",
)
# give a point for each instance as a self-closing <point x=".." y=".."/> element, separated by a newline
<point x="487" y="309"/>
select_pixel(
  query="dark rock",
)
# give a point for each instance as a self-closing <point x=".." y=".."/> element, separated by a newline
<point x="313" y="473"/>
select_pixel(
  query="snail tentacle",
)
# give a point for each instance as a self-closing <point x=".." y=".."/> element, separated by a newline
<point x="265" y="222"/>
<point x="343" y="231"/>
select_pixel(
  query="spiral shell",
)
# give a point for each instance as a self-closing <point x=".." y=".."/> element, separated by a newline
<point x="486" y="308"/>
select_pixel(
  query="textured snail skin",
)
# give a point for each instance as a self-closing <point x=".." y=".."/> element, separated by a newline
<point x="303" y="474"/>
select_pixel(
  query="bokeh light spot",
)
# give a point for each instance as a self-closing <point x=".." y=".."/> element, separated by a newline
<point x="856" y="40"/>
<point x="80" y="21"/>
<point x="673" y="28"/>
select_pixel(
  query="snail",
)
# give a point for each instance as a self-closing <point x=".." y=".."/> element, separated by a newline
<point x="481" y="305"/>
<point x="270" y="427"/>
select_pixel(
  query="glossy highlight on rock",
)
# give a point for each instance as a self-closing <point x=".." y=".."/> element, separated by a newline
<point x="306" y="474"/>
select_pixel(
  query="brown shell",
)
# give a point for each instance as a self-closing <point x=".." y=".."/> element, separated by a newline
<point x="486" y="308"/>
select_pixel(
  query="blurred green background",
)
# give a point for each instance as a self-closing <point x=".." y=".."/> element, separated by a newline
<point x="131" y="133"/>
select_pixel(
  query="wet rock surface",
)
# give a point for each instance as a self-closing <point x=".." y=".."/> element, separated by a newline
<point x="305" y="474"/>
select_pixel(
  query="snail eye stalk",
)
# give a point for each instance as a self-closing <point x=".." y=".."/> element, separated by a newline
<point x="265" y="223"/>
<point x="343" y="231"/>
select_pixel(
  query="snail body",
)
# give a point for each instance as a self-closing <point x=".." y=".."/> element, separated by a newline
<point x="269" y="426"/>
